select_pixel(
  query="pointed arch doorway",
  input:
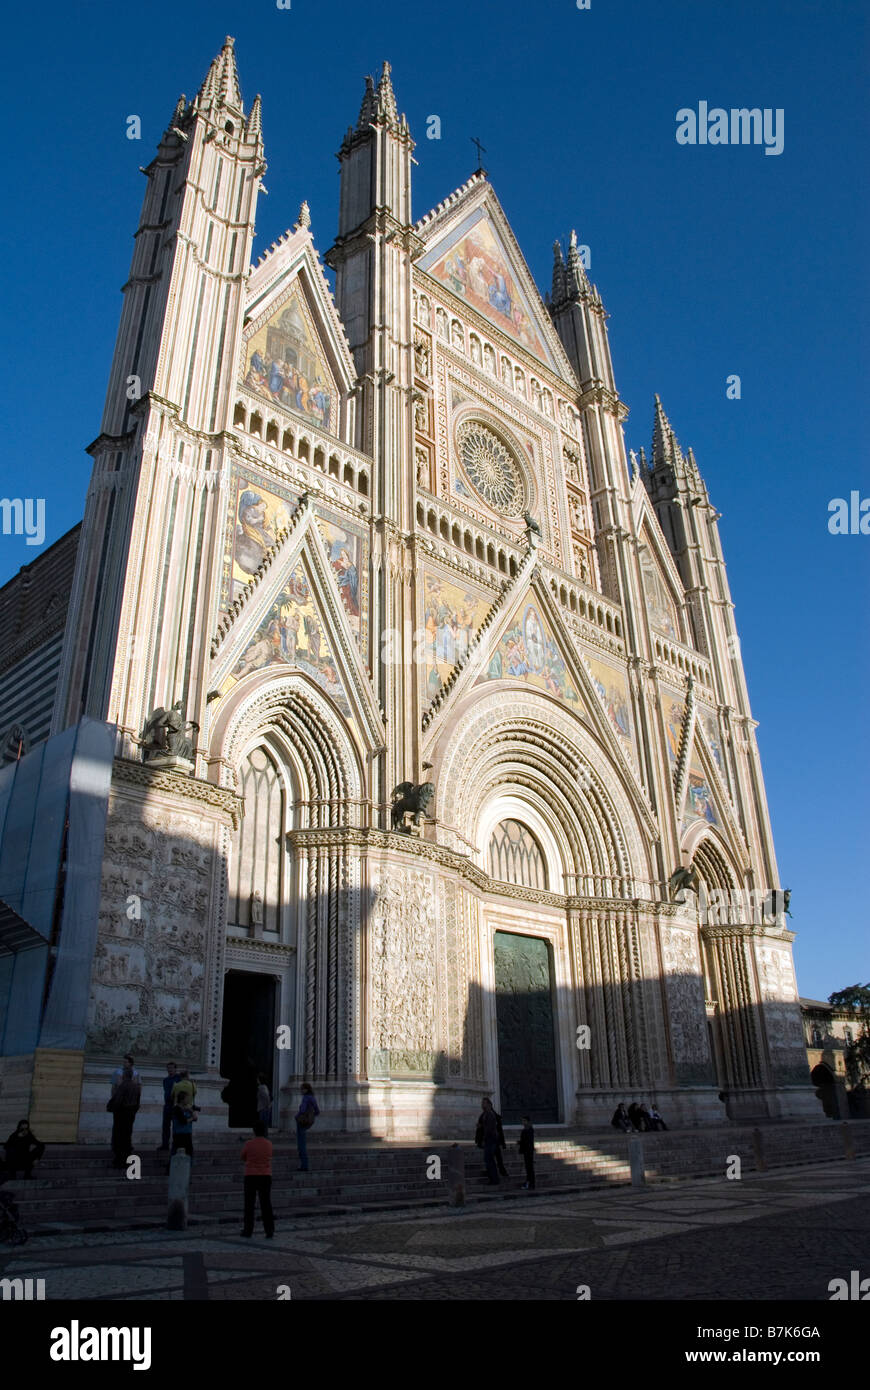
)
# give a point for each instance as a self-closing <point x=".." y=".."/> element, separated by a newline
<point x="523" y="977"/>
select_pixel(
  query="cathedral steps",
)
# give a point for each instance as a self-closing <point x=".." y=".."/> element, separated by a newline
<point x="77" y="1189"/>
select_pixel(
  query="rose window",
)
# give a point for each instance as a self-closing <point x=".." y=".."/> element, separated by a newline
<point x="491" y="469"/>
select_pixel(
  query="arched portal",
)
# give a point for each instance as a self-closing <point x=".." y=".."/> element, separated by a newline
<point x="291" y="947"/>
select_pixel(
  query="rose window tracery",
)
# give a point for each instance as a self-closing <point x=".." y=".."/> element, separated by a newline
<point x="491" y="468"/>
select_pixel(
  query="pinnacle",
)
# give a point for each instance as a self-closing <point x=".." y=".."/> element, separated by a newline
<point x="386" y="95"/>
<point x="665" y="448"/>
<point x="221" y="83"/>
<point x="369" y="108"/>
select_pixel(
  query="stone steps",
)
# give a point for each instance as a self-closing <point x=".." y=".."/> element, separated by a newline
<point x="76" y="1187"/>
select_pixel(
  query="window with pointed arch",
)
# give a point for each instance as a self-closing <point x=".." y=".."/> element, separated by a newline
<point x="515" y="855"/>
<point x="259" y="864"/>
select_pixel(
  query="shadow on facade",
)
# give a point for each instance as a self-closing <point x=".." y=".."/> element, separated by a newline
<point x="146" y="966"/>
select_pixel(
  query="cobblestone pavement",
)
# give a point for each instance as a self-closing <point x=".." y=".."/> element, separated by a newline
<point x="779" y="1235"/>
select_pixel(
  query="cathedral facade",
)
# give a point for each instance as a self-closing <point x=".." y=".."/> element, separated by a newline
<point x="429" y="765"/>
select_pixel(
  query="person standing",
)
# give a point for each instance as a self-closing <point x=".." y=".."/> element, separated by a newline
<point x="257" y="1158"/>
<point x="184" y="1090"/>
<point x="264" y="1104"/>
<point x="118" y="1073"/>
<point x="500" y="1149"/>
<point x="305" y="1117"/>
<point x="23" y="1149"/>
<point x="183" y="1118"/>
<point x="526" y="1146"/>
<point x="486" y="1137"/>
<point x="169" y="1081"/>
<point x="124" y="1103"/>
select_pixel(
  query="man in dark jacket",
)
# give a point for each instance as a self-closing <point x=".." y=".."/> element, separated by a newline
<point x="23" y="1149"/>
<point x="169" y="1081"/>
<point x="125" y="1104"/>
<point x="487" y="1138"/>
<point x="526" y="1147"/>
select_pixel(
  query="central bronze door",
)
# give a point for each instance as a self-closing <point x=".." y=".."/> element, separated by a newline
<point x="526" y="1033"/>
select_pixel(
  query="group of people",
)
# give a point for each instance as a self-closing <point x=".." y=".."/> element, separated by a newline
<point x="180" y="1114"/>
<point x="637" y="1118"/>
<point x="490" y="1137"/>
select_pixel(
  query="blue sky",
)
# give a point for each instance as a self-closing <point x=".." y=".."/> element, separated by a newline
<point x="711" y="260"/>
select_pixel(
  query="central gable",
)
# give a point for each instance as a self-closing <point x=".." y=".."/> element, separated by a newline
<point x="473" y="261"/>
<point x="285" y="361"/>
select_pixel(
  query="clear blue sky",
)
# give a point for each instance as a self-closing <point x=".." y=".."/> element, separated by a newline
<point x="711" y="260"/>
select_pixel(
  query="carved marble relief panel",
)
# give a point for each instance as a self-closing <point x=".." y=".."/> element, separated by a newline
<point x="686" y="1011"/>
<point x="781" y="1014"/>
<point x="149" y="983"/>
<point x="403" y="974"/>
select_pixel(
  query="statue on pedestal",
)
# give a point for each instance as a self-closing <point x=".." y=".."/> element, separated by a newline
<point x="410" y="798"/>
<point x="164" y="734"/>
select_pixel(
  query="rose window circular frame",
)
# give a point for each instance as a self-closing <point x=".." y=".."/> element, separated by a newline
<point x="491" y="468"/>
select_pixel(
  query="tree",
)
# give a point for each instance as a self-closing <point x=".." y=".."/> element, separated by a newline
<point x="856" y="1000"/>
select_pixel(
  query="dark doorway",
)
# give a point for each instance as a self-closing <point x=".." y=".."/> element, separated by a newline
<point x="526" y="1037"/>
<point x="247" y="1041"/>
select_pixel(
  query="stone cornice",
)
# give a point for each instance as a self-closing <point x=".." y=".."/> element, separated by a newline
<point x="130" y="773"/>
<point x="391" y="842"/>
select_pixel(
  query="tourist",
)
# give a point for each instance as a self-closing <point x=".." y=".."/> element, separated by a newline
<point x="118" y="1073"/>
<point x="124" y="1104"/>
<point x="184" y="1090"/>
<point x="305" y="1117"/>
<point x="257" y="1158"/>
<point x="635" y="1114"/>
<point x="486" y="1137"/>
<point x="169" y="1081"/>
<point x="23" y="1149"/>
<point x="183" y="1118"/>
<point x="264" y="1104"/>
<point x="526" y="1146"/>
<point x="502" y="1145"/>
<point x="656" y="1121"/>
<point x="620" y="1118"/>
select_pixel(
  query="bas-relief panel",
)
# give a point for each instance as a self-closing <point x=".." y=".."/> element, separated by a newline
<point x="258" y="512"/>
<point x="291" y="635"/>
<point x="402" y="967"/>
<point x="782" y="1019"/>
<point x="148" y="982"/>
<point x="686" y="1011"/>
<point x="452" y="614"/>
<point x="528" y="652"/>
<point x="475" y="266"/>
<point x="284" y="362"/>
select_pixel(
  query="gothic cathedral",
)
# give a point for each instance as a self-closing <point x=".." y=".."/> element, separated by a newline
<point x="400" y="717"/>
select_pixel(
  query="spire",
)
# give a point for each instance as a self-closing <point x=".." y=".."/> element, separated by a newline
<point x="386" y="96"/>
<point x="576" y="282"/>
<point x="665" y="449"/>
<point x="304" y="218"/>
<point x="221" y="85"/>
<point x="559" y="291"/>
<point x="254" y="128"/>
<point x="369" y="109"/>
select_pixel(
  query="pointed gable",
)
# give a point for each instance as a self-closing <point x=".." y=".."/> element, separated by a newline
<point x="528" y="651"/>
<point x="472" y="252"/>
<point x="296" y="615"/>
<point x="295" y="354"/>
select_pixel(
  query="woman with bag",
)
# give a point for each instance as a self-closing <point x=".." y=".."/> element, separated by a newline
<point x="305" y="1117"/>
